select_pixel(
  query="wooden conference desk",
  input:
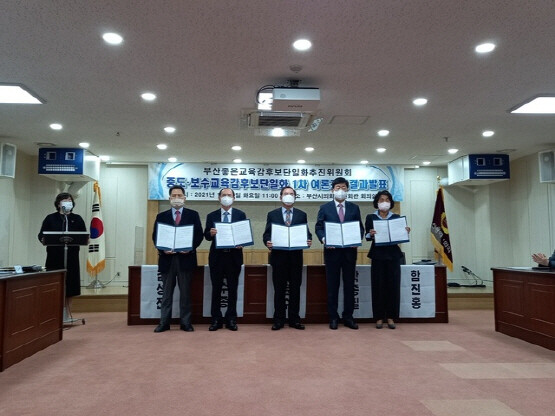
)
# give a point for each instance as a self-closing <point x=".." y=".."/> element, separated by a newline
<point x="255" y="297"/>
<point x="31" y="314"/>
<point x="525" y="304"/>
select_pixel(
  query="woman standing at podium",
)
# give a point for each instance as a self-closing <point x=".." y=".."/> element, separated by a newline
<point x="64" y="220"/>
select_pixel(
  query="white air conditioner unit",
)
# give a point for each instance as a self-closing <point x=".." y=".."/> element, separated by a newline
<point x="257" y="119"/>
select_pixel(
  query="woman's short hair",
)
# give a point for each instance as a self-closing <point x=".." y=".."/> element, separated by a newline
<point x="62" y="196"/>
<point x="386" y="193"/>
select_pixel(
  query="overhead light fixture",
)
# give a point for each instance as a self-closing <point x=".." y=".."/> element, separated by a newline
<point x="426" y="162"/>
<point x="104" y="158"/>
<point x="417" y="166"/>
<point x="302" y="44"/>
<point x="18" y="94"/>
<point x="539" y="104"/>
<point x="84" y="145"/>
<point x="488" y="133"/>
<point x="236" y="148"/>
<point x="148" y="96"/>
<point x="309" y="149"/>
<point x="380" y="149"/>
<point x="485" y="47"/>
<point x="172" y="159"/>
<point x="56" y="126"/>
<point x="169" y="129"/>
<point x="112" y="38"/>
<point x="301" y="161"/>
<point x="237" y="160"/>
<point x="383" y="133"/>
<point x="452" y="151"/>
<point x="363" y="162"/>
<point x="162" y="146"/>
<point x="420" y="101"/>
<point x="278" y="132"/>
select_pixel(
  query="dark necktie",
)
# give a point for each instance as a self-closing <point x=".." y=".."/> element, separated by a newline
<point x="226" y="216"/>
<point x="288" y="217"/>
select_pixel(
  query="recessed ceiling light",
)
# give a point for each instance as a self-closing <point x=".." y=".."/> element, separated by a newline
<point x="452" y="151"/>
<point x="162" y="146"/>
<point x="112" y="38"/>
<point x="169" y="129"/>
<point x="420" y="101"/>
<point x="17" y="94"/>
<point x="172" y="159"/>
<point x="302" y="44"/>
<point x="417" y="166"/>
<point x="236" y="148"/>
<point x="485" y="47"/>
<point x="148" y="96"/>
<point x="104" y="158"/>
<point x="278" y="132"/>
<point x="237" y="160"/>
<point x="301" y="161"/>
<point x="84" y="145"/>
<point x="309" y="149"/>
<point x="383" y="133"/>
<point x="488" y="133"/>
<point x="364" y="162"/>
<point x="540" y="104"/>
<point x="380" y="149"/>
<point x="56" y="126"/>
<point x="426" y="162"/>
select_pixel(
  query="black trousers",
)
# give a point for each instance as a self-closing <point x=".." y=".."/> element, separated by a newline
<point x="226" y="269"/>
<point x="288" y="269"/>
<point x="340" y="261"/>
<point x="386" y="288"/>
<point x="169" y="279"/>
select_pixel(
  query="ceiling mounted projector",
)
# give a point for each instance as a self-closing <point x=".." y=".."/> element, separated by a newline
<point x="295" y="99"/>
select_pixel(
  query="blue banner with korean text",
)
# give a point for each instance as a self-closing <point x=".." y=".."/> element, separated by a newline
<point x="258" y="182"/>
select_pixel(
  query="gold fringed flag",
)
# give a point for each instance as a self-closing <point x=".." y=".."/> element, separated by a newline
<point x="440" y="232"/>
<point x="96" y="260"/>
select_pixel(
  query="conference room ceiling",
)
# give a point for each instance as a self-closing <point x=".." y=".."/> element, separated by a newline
<point x="205" y="60"/>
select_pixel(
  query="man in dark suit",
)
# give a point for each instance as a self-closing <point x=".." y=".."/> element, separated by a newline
<point x="287" y="265"/>
<point x="177" y="266"/>
<point x="339" y="260"/>
<point x="225" y="263"/>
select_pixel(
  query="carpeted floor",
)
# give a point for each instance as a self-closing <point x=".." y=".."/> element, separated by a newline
<point x="460" y="368"/>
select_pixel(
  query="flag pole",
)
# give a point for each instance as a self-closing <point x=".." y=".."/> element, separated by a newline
<point x="96" y="260"/>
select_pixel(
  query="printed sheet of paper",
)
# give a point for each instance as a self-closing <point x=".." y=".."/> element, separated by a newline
<point x="351" y="233"/>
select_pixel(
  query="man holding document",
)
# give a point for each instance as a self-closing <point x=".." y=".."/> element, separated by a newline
<point x="286" y="235"/>
<point x="386" y="230"/>
<point x="177" y="233"/>
<point x="226" y="256"/>
<point x="339" y="228"/>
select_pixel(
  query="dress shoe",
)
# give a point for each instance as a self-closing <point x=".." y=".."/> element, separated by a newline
<point x="296" y="325"/>
<point x="187" y="328"/>
<point x="350" y="323"/>
<point x="162" y="328"/>
<point x="232" y="325"/>
<point x="379" y="325"/>
<point x="333" y="324"/>
<point x="391" y="325"/>
<point x="277" y="326"/>
<point x="215" y="325"/>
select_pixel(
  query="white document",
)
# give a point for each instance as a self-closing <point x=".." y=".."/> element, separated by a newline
<point x="233" y="234"/>
<point x="173" y="238"/>
<point x="390" y="232"/>
<point x="294" y="237"/>
<point x="345" y="234"/>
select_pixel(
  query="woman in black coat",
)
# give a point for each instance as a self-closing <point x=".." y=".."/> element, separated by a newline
<point x="386" y="265"/>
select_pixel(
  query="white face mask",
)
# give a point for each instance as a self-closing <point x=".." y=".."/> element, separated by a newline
<point x="384" y="206"/>
<point x="226" y="201"/>
<point x="177" y="202"/>
<point x="66" y="206"/>
<point x="340" y="194"/>
<point x="288" y="199"/>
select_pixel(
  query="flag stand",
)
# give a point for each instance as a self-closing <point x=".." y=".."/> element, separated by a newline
<point x="96" y="284"/>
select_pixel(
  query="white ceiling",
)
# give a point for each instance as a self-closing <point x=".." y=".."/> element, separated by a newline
<point x="206" y="59"/>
